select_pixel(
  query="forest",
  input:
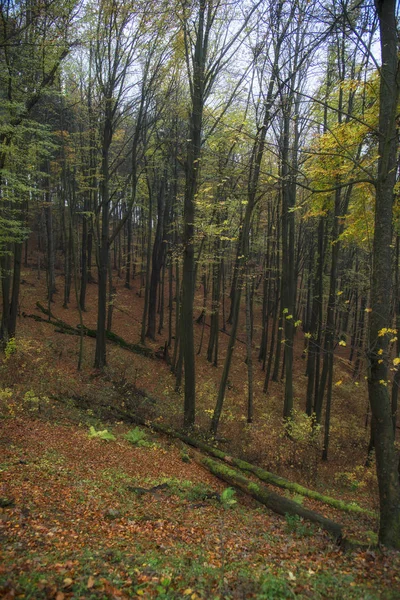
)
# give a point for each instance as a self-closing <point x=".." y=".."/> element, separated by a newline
<point x="200" y="288"/>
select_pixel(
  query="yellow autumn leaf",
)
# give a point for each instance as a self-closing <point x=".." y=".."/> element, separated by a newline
<point x="339" y="382"/>
<point x="90" y="582"/>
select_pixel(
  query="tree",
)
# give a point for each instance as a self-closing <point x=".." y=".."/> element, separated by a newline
<point x="381" y="281"/>
<point x="120" y="38"/>
<point x="206" y="56"/>
<point x="29" y="64"/>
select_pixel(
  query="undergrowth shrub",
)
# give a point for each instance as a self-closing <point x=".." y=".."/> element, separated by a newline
<point x="346" y="435"/>
<point x="137" y="437"/>
<point x="274" y="588"/>
<point x="101" y="435"/>
<point x="303" y="436"/>
<point x="10" y="349"/>
<point x="34" y="402"/>
<point x="7" y="405"/>
<point x="360" y="479"/>
<point x="295" y="525"/>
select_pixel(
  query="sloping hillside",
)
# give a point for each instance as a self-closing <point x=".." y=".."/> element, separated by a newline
<point x="87" y="518"/>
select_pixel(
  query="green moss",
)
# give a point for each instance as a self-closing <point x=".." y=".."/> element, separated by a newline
<point x="253" y="487"/>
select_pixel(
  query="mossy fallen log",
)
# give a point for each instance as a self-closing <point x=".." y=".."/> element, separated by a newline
<point x="66" y="328"/>
<point x="273" y="501"/>
<point x="264" y="475"/>
<point x="243" y="465"/>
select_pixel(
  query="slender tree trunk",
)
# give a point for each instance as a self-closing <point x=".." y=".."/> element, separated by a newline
<point x="5" y="262"/>
<point x="147" y="269"/>
<point x="156" y="262"/>
<point x="12" y="325"/>
<point x="103" y="253"/>
<point x="48" y="213"/>
<point x="84" y="255"/>
<point x="249" y="354"/>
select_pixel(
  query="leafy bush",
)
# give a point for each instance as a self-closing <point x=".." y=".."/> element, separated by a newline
<point x="137" y="437"/>
<point x="185" y="457"/>
<point x="34" y="402"/>
<point x="360" y="478"/>
<point x="303" y="435"/>
<point x="272" y="587"/>
<point x="228" y="497"/>
<point x="11" y="348"/>
<point x="6" y="402"/>
<point x="101" y="435"/>
<point x="295" y="525"/>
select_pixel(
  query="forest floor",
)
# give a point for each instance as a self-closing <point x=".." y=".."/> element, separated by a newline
<point x="87" y="518"/>
<point x="88" y="521"/>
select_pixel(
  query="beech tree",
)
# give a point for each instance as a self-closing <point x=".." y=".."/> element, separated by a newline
<point x="381" y="281"/>
<point x="29" y="63"/>
<point x="207" y="50"/>
<point x="122" y="31"/>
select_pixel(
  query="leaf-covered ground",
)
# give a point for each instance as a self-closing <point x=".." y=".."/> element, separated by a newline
<point x="107" y="519"/>
<point x="97" y="519"/>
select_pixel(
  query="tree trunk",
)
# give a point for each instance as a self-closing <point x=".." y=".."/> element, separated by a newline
<point x="386" y="456"/>
<point x="157" y="262"/>
<point x="279" y="504"/>
<point x="12" y="325"/>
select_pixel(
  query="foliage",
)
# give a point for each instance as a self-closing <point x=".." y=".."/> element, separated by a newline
<point x="305" y="438"/>
<point x="228" y="498"/>
<point x="296" y="525"/>
<point x="274" y="588"/>
<point x="103" y="434"/>
<point x="129" y="552"/>
<point x="137" y="437"/>
<point x="34" y="402"/>
<point x="7" y="406"/>
<point x="10" y="348"/>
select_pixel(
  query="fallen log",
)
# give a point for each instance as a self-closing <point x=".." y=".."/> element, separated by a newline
<point x="66" y="328"/>
<point x="273" y="501"/>
<point x="264" y="475"/>
<point x="243" y="465"/>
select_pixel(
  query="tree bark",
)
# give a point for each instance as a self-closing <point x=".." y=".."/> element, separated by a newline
<point x="380" y="318"/>
<point x="278" y="504"/>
